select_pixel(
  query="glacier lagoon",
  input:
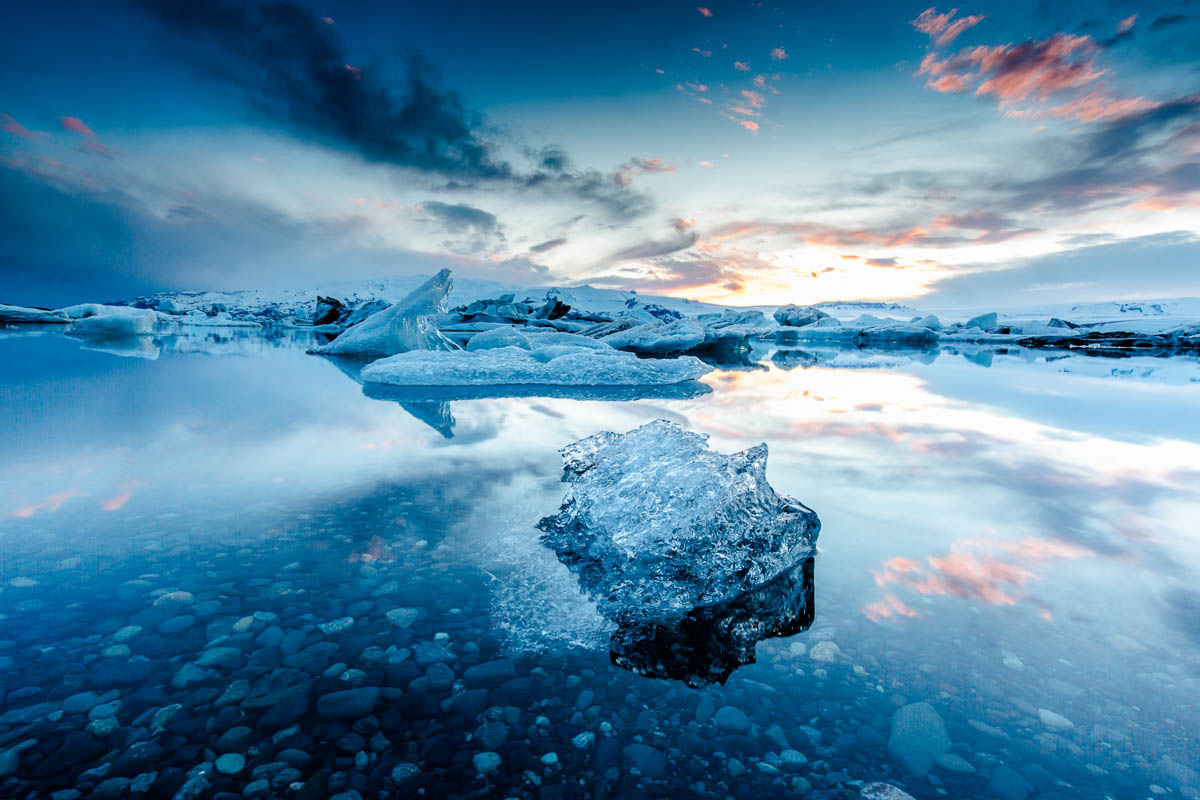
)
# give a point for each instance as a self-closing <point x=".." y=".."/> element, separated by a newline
<point x="229" y="569"/>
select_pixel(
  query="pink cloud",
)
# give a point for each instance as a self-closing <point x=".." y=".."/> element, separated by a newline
<point x="754" y="99"/>
<point x="741" y="66"/>
<point x="49" y="504"/>
<point x="96" y="148"/>
<point x="1127" y="23"/>
<point x="10" y="125"/>
<point x="760" y="81"/>
<point x="624" y="174"/>
<point x="327" y="20"/>
<point x="943" y="28"/>
<point x="971" y="572"/>
<point x="704" y="11"/>
<point x="78" y="126"/>
<point x="357" y="71"/>
<point x="652" y="165"/>
<point x="704" y="53"/>
<point x="1097" y="106"/>
<point x="779" y="54"/>
<point x="749" y="125"/>
<point x="116" y="503"/>
<point x="706" y="163"/>
<point x="890" y="607"/>
<point x="1058" y="76"/>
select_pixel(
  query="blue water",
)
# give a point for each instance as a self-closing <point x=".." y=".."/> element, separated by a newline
<point x="201" y="539"/>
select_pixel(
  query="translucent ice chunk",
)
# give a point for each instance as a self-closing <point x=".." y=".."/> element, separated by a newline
<point x="555" y="365"/>
<point x="398" y="328"/>
<point x="655" y="523"/>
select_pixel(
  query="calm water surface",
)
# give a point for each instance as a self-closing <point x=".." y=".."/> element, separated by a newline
<point x="226" y="571"/>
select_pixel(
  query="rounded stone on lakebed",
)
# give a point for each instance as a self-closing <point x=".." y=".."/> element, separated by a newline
<point x="486" y="762"/>
<point x="645" y="759"/>
<point x="230" y="763"/>
<point x="349" y="703"/>
<point x="918" y="737"/>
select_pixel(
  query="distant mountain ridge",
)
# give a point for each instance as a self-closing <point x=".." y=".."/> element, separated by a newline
<point x="290" y="303"/>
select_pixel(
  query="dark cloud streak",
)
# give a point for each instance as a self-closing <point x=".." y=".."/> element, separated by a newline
<point x="294" y="69"/>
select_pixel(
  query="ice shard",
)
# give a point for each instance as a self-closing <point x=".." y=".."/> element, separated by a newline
<point x="655" y="523"/>
<point x="398" y="328"/>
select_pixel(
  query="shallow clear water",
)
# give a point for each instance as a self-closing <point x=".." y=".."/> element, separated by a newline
<point x="1009" y="537"/>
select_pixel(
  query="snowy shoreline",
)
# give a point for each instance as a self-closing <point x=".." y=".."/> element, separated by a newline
<point x="583" y="336"/>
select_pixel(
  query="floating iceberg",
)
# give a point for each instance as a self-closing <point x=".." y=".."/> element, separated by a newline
<point x="97" y="321"/>
<point x="865" y="331"/>
<point x="656" y="339"/>
<point x="656" y="524"/>
<point x="398" y="328"/>
<point x="499" y="337"/>
<point x="549" y="365"/>
<point x="30" y="315"/>
<point x="530" y="339"/>
<point x="799" y="316"/>
<point x="728" y="317"/>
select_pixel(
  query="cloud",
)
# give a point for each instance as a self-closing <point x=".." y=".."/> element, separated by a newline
<point x="678" y="274"/>
<point x="943" y="28"/>
<point x="10" y="125"/>
<point x="1162" y="265"/>
<point x="753" y="99"/>
<point x="741" y="66"/>
<point x="704" y="12"/>
<point x="1167" y="21"/>
<point x="78" y="126"/>
<point x="291" y="67"/>
<point x="992" y="572"/>
<point x="476" y="230"/>
<point x="553" y="158"/>
<point x="1127" y="23"/>
<point x="1058" y="77"/>
<point x="989" y="226"/>
<point x="48" y="505"/>
<point x="749" y="125"/>
<point x="1137" y="158"/>
<point x="962" y="229"/>
<point x="90" y="144"/>
<point x="96" y="148"/>
<point x="654" y="249"/>
<point x="625" y="173"/>
<point x="547" y="245"/>
<point x="887" y="263"/>
<point x="779" y="54"/>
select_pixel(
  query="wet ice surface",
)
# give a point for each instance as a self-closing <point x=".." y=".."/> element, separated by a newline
<point x="656" y="523"/>
<point x="228" y="568"/>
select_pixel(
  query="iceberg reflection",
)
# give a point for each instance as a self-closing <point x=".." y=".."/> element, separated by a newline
<point x="426" y="394"/>
<point x="707" y="644"/>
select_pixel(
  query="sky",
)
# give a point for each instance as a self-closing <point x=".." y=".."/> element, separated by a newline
<point x="744" y="153"/>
